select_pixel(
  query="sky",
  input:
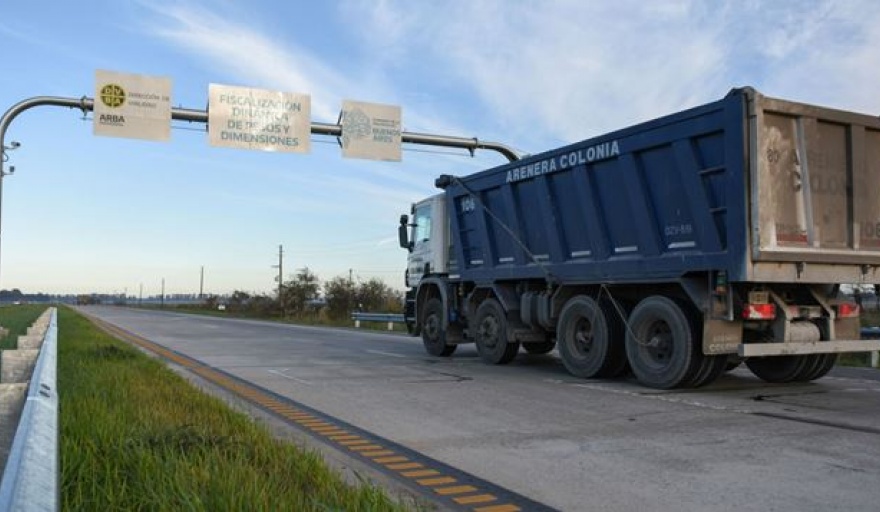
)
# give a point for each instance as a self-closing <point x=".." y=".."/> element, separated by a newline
<point x="84" y="213"/>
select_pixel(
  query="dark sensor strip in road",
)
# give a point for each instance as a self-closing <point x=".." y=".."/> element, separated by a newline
<point x="438" y="482"/>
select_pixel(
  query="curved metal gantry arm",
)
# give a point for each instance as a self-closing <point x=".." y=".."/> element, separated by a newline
<point x="201" y="116"/>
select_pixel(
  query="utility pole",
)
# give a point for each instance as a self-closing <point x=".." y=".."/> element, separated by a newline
<point x="280" y="278"/>
<point x="202" y="283"/>
<point x="162" y="298"/>
<point x="141" y="294"/>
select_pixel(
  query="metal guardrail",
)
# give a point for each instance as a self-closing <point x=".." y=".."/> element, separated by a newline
<point x="389" y="318"/>
<point x="30" y="479"/>
<point x="872" y="333"/>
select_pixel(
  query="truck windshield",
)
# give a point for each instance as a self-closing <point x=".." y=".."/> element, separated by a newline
<point x="422" y="221"/>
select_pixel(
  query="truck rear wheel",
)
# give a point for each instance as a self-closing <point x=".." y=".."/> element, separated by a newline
<point x="590" y="339"/>
<point x="778" y="369"/>
<point x="823" y="363"/>
<point x="711" y="368"/>
<point x="490" y="334"/>
<point x="660" y="344"/>
<point x="433" y="334"/>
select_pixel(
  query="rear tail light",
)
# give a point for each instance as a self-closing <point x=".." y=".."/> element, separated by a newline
<point x="759" y="311"/>
<point x="848" y="310"/>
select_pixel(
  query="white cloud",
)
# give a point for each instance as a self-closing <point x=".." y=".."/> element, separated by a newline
<point x="566" y="70"/>
<point x="244" y="51"/>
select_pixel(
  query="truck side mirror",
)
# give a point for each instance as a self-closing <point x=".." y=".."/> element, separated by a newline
<point x="402" y="233"/>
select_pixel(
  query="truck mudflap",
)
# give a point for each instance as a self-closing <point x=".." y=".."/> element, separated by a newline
<point x="803" y="348"/>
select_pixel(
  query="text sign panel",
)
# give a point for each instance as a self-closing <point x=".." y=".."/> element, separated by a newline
<point x="247" y="118"/>
<point x="132" y="106"/>
<point x="371" y="131"/>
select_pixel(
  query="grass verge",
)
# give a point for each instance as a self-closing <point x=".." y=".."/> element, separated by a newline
<point x="17" y="318"/>
<point x="136" y="436"/>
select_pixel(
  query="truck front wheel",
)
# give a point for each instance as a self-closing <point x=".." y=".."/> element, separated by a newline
<point x="433" y="334"/>
<point x="490" y="334"/>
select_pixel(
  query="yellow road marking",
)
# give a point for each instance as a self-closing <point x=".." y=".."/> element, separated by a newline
<point x="458" y="489"/>
<point x="386" y="460"/>
<point x="440" y="480"/>
<point x="354" y="442"/>
<point x="477" y="498"/>
<point x="327" y="430"/>
<point x="344" y="437"/>
<point x="378" y="453"/>
<point x="367" y="447"/>
<point x="498" y="508"/>
<point x="404" y="465"/>
<point x="419" y="473"/>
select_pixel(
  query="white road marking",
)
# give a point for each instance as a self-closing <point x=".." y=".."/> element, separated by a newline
<point x="390" y="354"/>
<point x="281" y="373"/>
<point x="664" y="398"/>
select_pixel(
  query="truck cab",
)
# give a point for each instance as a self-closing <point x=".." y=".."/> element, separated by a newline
<point x="426" y="236"/>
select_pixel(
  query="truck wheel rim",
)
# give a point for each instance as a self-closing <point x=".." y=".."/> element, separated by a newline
<point x="489" y="332"/>
<point x="583" y="338"/>
<point x="658" y="345"/>
<point x="432" y="327"/>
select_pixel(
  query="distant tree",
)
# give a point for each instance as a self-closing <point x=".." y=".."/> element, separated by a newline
<point x="297" y="292"/>
<point x="238" y="301"/>
<point x="340" y="293"/>
<point x="211" y="302"/>
<point x="262" y="305"/>
<point x="374" y="295"/>
<point x="11" y="295"/>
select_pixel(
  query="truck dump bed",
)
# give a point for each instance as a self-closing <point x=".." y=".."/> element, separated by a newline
<point x="765" y="189"/>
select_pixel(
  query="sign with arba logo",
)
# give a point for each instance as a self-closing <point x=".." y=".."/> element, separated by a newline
<point x="133" y="106"/>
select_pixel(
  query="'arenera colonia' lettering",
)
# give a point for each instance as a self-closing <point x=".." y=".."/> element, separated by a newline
<point x="570" y="159"/>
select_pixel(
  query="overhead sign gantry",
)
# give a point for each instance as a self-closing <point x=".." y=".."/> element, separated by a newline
<point x="139" y="106"/>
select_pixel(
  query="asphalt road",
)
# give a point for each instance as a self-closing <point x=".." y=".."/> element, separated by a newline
<point x="572" y="444"/>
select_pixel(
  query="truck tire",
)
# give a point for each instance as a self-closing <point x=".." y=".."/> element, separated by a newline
<point x="733" y="362"/>
<point x="824" y="365"/>
<point x="490" y="334"/>
<point x="778" y="369"/>
<point x="433" y="334"/>
<point x="660" y="344"/>
<point x="710" y="370"/>
<point x="590" y="339"/>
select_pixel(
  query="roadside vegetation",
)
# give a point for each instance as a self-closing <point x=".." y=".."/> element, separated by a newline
<point x="304" y="300"/>
<point x="136" y="436"/>
<point x="17" y="318"/>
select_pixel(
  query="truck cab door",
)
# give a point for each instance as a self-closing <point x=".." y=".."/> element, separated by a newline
<point x="427" y="256"/>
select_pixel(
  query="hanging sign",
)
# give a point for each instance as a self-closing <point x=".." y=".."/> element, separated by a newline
<point x="133" y="106"/>
<point x="247" y="118"/>
<point x="370" y="131"/>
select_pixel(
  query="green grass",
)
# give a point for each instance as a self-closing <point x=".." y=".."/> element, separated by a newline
<point x="17" y="318"/>
<point x="136" y="436"/>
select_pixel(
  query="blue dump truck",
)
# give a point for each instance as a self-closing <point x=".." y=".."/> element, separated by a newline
<point x="677" y="248"/>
